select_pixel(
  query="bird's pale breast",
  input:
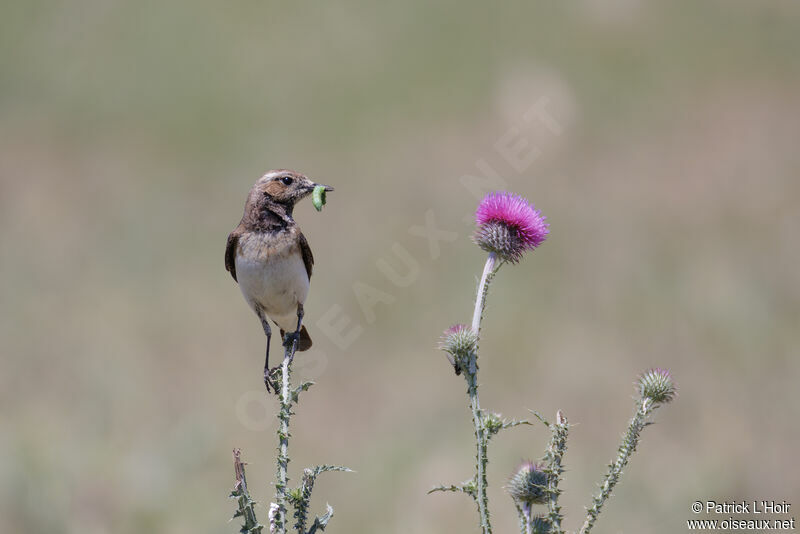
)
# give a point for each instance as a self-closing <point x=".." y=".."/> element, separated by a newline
<point x="272" y="275"/>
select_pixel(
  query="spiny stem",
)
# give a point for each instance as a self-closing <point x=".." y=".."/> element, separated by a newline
<point x="628" y="446"/>
<point x="284" y="415"/>
<point x="482" y="441"/>
<point x="525" y="523"/>
<point x="301" y="497"/>
<point x="471" y="374"/>
<point x="301" y="508"/>
<point x="553" y="457"/>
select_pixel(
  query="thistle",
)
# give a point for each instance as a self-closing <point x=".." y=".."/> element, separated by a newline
<point x="508" y="226"/>
<point x="657" y="385"/>
<point x="298" y="498"/>
<point x="458" y="342"/>
<point x="528" y="485"/>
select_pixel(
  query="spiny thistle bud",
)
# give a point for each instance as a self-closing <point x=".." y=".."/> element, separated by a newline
<point x="509" y="225"/>
<point x="458" y="342"/>
<point x="493" y="423"/>
<point x="529" y="484"/>
<point x="657" y="385"/>
<point x="459" y="339"/>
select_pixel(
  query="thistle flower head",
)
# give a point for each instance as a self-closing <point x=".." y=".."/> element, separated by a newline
<point x="529" y="484"/>
<point x="657" y="385"/>
<point x="508" y="225"/>
<point x="458" y="341"/>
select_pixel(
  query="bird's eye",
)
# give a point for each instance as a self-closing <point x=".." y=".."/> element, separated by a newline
<point x="287" y="180"/>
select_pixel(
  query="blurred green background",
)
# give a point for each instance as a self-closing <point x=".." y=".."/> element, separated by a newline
<point x="130" y="133"/>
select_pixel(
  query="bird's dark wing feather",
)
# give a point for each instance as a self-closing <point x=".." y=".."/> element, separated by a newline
<point x="230" y="252"/>
<point x="308" y="257"/>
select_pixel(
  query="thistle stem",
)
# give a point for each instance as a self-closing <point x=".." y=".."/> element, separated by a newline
<point x="284" y="415"/>
<point x="626" y="449"/>
<point x="489" y="271"/>
<point x="528" y="520"/>
<point x="554" y="458"/>
<point x="523" y="521"/>
<point x="471" y="374"/>
<point x="482" y="444"/>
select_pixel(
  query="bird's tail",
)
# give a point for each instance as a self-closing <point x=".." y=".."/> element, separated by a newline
<point x="304" y="341"/>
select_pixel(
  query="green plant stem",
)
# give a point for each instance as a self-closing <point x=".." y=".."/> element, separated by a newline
<point x="526" y="525"/>
<point x="284" y="416"/>
<point x="482" y="443"/>
<point x="554" y="457"/>
<point x="626" y="449"/>
<point x="301" y="498"/>
<point x="523" y="521"/>
<point x="471" y="374"/>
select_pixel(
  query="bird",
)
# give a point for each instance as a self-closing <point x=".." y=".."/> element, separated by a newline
<point x="270" y="258"/>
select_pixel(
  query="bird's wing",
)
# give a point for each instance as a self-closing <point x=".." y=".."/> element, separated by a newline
<point x="308" y="257"/>
<point x="230" y="252"/>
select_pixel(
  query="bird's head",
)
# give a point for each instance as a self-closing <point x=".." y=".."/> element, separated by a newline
<point x="282" y="187"/>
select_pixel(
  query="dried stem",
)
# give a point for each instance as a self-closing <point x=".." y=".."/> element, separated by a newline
<point x="242" y="495"/>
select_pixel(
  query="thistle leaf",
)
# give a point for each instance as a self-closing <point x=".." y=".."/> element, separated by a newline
<point x="321" y="522"/>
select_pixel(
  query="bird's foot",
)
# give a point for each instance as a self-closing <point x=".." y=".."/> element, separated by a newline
<point x="271" y="380"/>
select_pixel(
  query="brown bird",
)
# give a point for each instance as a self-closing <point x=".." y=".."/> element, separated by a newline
<point x="269" y="256"/>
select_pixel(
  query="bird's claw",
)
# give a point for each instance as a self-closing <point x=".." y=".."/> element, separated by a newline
<point x="271" y="380"/>
<point x="272" y="375"/>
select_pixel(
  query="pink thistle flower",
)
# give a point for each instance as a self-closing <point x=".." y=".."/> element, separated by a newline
<point x="509" y="225"/>
<point x="455" y="329"/>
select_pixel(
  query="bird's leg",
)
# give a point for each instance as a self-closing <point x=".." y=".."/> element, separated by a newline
<point x="268" y="333"/>
<point x="300" y="314"/>
<point x="294" y="337"/>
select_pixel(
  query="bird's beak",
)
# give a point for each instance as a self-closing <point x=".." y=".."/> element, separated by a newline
<point x="328" y="188"/>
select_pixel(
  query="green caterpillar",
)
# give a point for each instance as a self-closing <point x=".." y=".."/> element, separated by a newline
<point x="318" y="197"/>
